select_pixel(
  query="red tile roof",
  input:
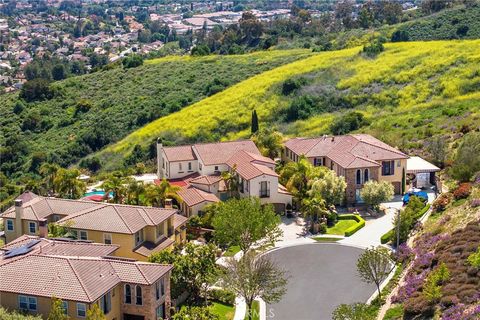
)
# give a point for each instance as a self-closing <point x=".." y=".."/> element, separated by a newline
<point x="179" y="220"/>
<point x="220" y="152"/>
<point x="179" y="153"/>
<point x="249" y="165"/>
<point x="83" y="279"/>
<point x="206" y="180"/>
<point x="349" y="151"/>
<point x="192" y="196"/>
<point x="90" y="215"/>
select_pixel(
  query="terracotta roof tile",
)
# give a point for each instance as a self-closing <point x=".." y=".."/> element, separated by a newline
<point x="349" y="151"/>
<point x="192" y="196"/>
<point x="179" y="220"/>
<point x="249" y="165"/>
<point x="206" y="180"/>
<point x="220" y="152"/>
<point x="179" y="153"/>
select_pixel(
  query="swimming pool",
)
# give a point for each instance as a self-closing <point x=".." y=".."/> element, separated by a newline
<point x="95" y="193"/>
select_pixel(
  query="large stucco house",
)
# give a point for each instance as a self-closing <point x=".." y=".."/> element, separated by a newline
<point x="81" y="274"/>
<point x="198" y="168"/>
<point x="357" y="157"/>
<point x="138" y="231"/>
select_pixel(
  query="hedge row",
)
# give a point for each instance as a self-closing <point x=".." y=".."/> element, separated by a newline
<point x="385" y="238"/>
<point x="359" y="225"/>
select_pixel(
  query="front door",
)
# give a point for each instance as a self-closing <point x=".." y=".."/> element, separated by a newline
<point x="127" y="316"/>
<point x="358" y="197"/>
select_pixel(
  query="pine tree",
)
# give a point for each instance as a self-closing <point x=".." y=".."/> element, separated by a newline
<point x="254" y="122"/>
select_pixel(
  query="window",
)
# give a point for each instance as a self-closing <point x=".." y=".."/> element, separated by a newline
<point x="200" y="166"/>
<point x="160" y="312"/>
<point x="317" y="162"/>
<point x="189" y="166"/>
<point x="32" y="227"/>
<point x="399" y="164"/>
<point x="138" y="237"/>
<point x="81" y="310"/>
<point x="160" y="230"/>
<point x="23" y="302"/>
<point x="264" y="189"/>
<point x="247" y="185"/>
<point x="82" y="235"/>
<point x="107" y="238"/>
<point x="179" y="167"/>
<point x="138" y="295"/>
<point x="128" y="294"/>
<point x="366" y="175"/>
<point x="106" y="303"/>
<point x="65" y="307"/>
<point x="163" y="164"/>
<point x="27" y="303"/>
<point x="358" y="177"/>
<point x="216" y="168"/>
<point x="160" y="288"/>
<point x="10" y="225"/>
<point x="388" y="168"/>
<point x="32" y="303"/>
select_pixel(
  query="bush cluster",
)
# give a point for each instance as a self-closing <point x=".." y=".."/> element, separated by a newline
<point x="223" y="296"/>
<point x="359" y="225"/>
<point x="462" y="191"/>
<point x="441" y="203"/>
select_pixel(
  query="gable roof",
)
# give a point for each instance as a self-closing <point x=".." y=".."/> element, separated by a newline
<point x="106" y="217"/>
<point x="249" y="165"/>
<point x="206" y="180"/>
<point x="71" y="270"/>
<point x="349" y="151"/>
<point x="63" y="247"/>
<point x="220" y="152"/>
<point x="192" y="196"/>
<point x="179" y="153"/>
<point x="82" y="279"/>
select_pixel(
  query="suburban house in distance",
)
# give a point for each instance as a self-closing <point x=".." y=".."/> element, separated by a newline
<point x="81" y="274"/>
<point x="197" y="169"/>
<point x="138" y="231"/>
<point x="357" y="157"/>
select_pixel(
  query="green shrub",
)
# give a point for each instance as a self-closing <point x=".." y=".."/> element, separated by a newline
<point x="386" y="237"/>
<point x="359" y="225"/>
<point x="223" y="296"/>
<point x="394" y="313"/>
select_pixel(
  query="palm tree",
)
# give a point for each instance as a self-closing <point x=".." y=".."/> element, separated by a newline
<point x="156" y="195"/>
<point x="68" y="185"/>
<point x="231" y="181"/>
<point x="135" y="189"/>
<point x="49" y="172"/>
<point x="296" y="175"/>
<point x="314" y="209"/>
<point x="115" y="184"/>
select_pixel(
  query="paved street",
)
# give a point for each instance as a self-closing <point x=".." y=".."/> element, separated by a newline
<point x="322" y="277"/>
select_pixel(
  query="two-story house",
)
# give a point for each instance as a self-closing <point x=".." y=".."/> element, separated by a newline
<point x="139" y="231"/>
<point x="357" y="157"/>
<point x="81" y="274"/>
<point x="199" y="166"/>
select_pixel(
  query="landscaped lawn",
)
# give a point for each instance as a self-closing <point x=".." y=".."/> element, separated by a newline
<point x="255" y="311"/>
<point x="340" y="227"/>
<point x="326" y="239"/>
<point x="223" y="311"/>
<point x="231" y="251"/>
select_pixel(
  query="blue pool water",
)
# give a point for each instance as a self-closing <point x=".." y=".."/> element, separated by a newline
<point x="100" y="193"/>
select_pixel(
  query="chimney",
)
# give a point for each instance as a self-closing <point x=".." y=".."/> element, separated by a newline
<point x="159" y="158"/>
<point x="333" y="138"/>
<point x="18" y="217"/>
<point x="43" y="228"/>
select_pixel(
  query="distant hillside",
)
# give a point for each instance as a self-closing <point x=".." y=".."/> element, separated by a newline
<point x="91" y="111"/>
<point x="408" y="94"/>
<point x="456" y="23"/>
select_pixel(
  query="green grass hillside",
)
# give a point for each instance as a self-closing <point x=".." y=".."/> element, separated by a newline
<point x="91" y="111"/>
<point x="408" y="93"/>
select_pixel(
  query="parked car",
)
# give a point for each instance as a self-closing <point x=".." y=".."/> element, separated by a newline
<point x="417" y="193"/>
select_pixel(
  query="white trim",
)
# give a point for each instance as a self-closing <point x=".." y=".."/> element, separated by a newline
<point x="6" y="225"/>
<point x="84" y="310"/>
<point x="29" y="227"/>
<point x="104" y="238"/>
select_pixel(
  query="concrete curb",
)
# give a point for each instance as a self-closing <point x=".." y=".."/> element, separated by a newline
<point x="262" y="309"/>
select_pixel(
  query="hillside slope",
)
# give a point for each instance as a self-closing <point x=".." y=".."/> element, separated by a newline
<point x="90" y="111"/>
<point x="420" y="89"/>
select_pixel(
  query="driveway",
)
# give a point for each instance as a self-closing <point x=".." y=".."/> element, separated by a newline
<point x="322" y="276"/>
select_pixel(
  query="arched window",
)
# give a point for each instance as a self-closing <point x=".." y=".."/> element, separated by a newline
<point x="138" y="295"/>
<point x="366" y="175"/>
<point x="128" y="294"/>
<point x="359" y="177"/>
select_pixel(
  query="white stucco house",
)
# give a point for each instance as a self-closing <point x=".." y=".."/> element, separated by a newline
<point x="198" y="167"/>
